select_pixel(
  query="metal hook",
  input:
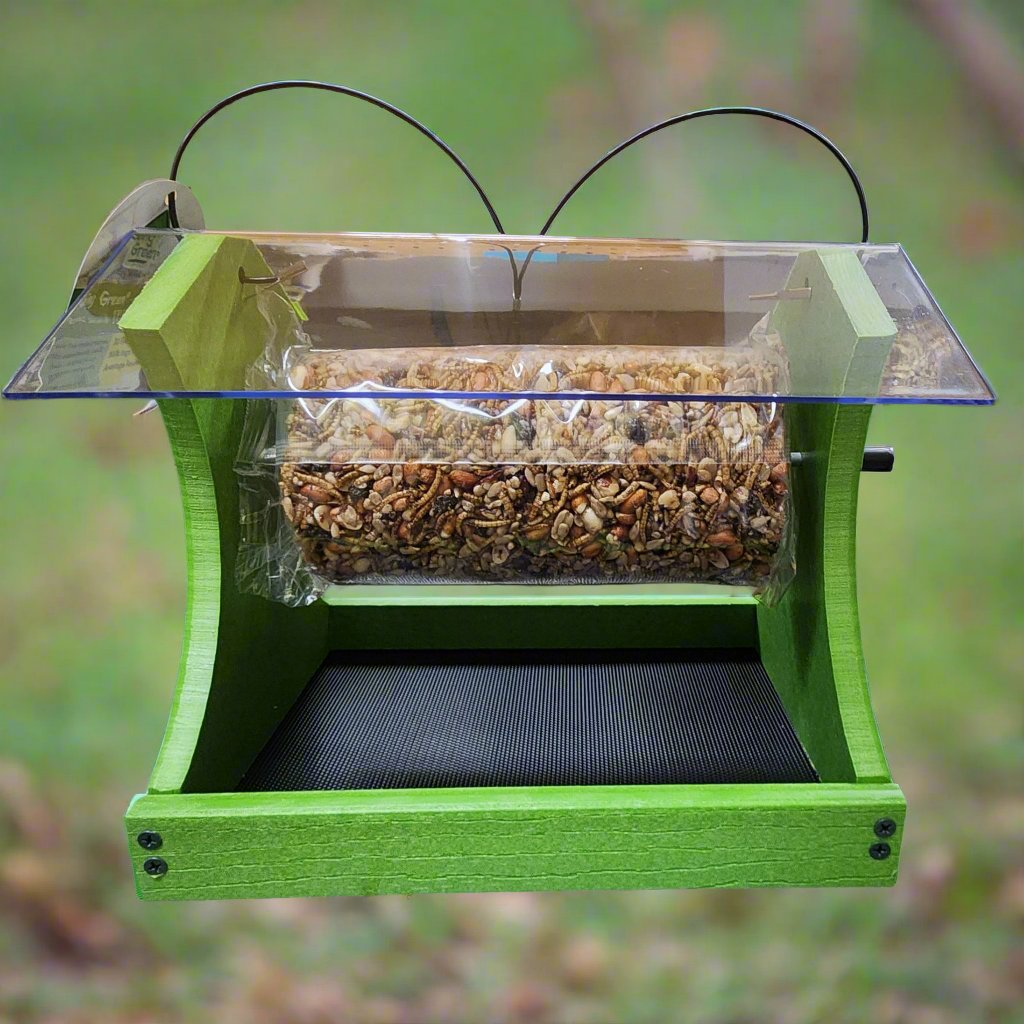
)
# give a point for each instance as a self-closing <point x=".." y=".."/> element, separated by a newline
<point x="284" y="277"/>
<point x="244" y="278"/>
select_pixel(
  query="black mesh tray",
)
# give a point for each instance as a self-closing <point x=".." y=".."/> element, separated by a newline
<point x="389" y="720"/>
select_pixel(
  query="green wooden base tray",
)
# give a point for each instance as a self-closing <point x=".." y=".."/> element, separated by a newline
<point x="227" y="845"/>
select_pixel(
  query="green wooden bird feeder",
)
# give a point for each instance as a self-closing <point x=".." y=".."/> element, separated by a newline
<point x="513" y="562"/>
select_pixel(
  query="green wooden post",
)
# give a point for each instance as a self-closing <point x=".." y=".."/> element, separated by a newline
<point x="837" y="341"/>
<point x="246" y="660"/>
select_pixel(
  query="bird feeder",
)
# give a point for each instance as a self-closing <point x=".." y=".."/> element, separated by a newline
<point x="514" y="562"/>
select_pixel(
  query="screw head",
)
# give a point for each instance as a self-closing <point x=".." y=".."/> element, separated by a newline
<point x="153" y="840"/>
<point x="879" y="851"/>
<point x="155" y="866"/>
<point x="885" y="827"/>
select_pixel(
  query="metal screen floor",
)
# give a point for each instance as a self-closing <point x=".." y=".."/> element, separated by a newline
<point x="387" y="720"/>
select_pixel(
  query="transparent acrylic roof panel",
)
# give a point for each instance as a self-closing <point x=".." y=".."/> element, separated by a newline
<point x="486" y="317"/>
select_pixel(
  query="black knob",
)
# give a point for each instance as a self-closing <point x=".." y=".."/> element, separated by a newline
<point x="878" y="460"/>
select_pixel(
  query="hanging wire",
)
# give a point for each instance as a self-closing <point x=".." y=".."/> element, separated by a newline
<point x="693" y="115"/>
<point x="344" y="90"/>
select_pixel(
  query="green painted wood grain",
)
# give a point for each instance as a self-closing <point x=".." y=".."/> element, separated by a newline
<point x="222" y="846"/>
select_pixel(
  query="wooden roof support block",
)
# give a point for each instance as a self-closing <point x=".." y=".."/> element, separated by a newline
<point x="196" y="326"/>
<point x="842" y="314"/>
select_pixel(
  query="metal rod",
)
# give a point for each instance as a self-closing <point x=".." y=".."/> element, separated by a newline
<point x="876" y="459"/>
<point x="782" y="293"/>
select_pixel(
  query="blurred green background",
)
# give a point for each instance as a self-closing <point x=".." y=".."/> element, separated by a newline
<point x="927" y="99"/>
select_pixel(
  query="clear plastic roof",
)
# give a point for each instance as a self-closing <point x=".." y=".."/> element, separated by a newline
<point x="200" y="314"/>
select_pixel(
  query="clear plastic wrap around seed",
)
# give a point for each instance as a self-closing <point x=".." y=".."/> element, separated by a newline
<point x="430" y="489"/>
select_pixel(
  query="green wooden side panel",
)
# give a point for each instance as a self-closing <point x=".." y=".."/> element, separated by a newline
<point x="245" y="660"/>
<point x="196" y="325"/>
<point x="202" y="608"/>
<point x="839" y="594"/>
<point x="810" y="643"/>
<point x="222" y="846"/>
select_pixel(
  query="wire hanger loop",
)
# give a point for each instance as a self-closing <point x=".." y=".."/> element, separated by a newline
<point x="693" y="115"/>
<point x="344" y="90"/>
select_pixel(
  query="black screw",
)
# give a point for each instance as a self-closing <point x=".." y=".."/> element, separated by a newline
<point x="155" y="866"/>
<point x="879" y="851"/>
<point x="153" y="840"/>
<point x="885" y="827"/>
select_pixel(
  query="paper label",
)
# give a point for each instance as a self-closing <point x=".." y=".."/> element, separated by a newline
<point x="100" y="358"/>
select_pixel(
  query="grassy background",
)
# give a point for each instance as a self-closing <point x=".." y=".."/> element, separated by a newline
<point x="94" y="98"/>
